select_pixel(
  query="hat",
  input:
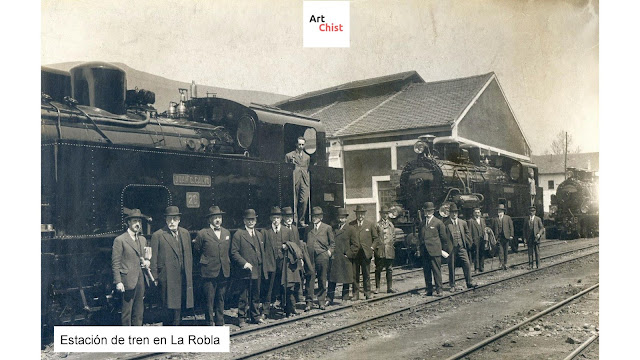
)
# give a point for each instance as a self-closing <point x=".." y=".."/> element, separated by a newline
<point x="342" y="212"/>
<point x="501" y="207"/>
<point x="275" y="211"/>
<point x="287" y="211"/>
<point x="532" y="207"/>
<point x="214" y="210"/>
<point x="385" y="209"/>
<point x="428" y="206"/>
<point x="453" y="208"/>
<point x="317" y="210"/>
<point x="134" y="213"/>
<point x="360" y="208"/>
<point x="172" y="211"/>
<point x="250" y="214"/>
<point x="476" y="208"/>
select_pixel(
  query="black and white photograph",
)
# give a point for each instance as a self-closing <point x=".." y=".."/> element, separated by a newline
<point x="360" y="179"/>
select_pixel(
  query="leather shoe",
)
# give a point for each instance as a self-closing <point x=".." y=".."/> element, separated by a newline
<point x="242" y="324"/>
<point x="322" y="307"/>
<point x="439" y="294"/>
<point x="428" y="293"/>
<point x="392" y="291"/>
<point x="452" y="289"/>
<point x="472" y="286"/>
<point x="376" y="291"/>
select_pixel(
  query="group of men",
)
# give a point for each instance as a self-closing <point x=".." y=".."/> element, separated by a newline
<point x="267" y="265"/>
<point x="459" y="241"/>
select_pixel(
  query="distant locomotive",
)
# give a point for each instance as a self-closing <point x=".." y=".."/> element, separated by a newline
<point x="105" y="149"/>
<point x="447" y="172"/>
<point x="575" y="207"/>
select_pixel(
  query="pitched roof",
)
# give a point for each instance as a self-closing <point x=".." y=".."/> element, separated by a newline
<point x="554" y="164"/>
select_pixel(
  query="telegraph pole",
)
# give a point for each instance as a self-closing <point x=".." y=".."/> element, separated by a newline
<point x="566" y="148"/>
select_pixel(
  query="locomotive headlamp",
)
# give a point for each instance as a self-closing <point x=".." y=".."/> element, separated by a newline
<point x="584" y="208"/>
<point x="419" y="147"/>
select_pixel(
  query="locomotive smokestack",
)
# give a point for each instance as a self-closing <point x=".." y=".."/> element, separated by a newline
<point x="100" y="85"/>
<point x="194" y="89"/>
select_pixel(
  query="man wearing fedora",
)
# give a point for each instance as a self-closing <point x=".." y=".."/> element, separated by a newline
<point x="287" y="218"/>
<point x="432" y="238"/>
<point x="275" y="239"/>
<point x="172" y="264"/>
<point x="503" y="230"/>
<point x="362" y="235"/>
<point x="476" y="226"/>
<point x="533" y="231"/>
<point x="459" y="240"/>
<point x="301" y="179"/>
<point x="384" y="250"/>
<point x="247" y="249"/>
<point x="341" y="266"/>
<point x="320" y="241"/>
<point x="212" y="245"/>
<point x="127" y="261"/>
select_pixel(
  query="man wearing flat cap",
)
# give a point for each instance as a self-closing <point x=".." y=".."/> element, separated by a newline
<point x="476" y="226"/>
<point x="432" y="238"/>
<point x="459" y="240"/>
<point x="172" y="264"/>
<point x="533" y="232"/>
<point x="384" y="250"/>
<point x="127" y="262"/>
<point x="212" y="245"/>
<point x="320" y="240"/>
<point x="247" y="249"/>
<point x="503" y="230"/>
<point x="362" y="236"/>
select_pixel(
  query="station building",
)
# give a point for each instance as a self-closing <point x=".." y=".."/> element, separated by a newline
<point x="372" y="125"/>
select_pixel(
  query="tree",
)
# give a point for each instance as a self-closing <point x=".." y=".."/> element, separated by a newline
<point x="558" y="144"/>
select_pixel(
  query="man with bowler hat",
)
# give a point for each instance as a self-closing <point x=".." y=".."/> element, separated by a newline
<point x="503" y="230"/>
<point x="287" y="218"/>
<point x="432" y="238"/>
<point x="275" y="239"/>
<point x="247" y="247"/>
<point x="384" y="250"/>
<point x="172" y="264"/>
<point x="341" y="266"/>
<point x="533" y="232"/>
<point x="127" y="263"/>
<point x="212" y="245"/>
<point x="459" y="240"/>
<point x="320" y="240"/>
<point x="362" y="235"/>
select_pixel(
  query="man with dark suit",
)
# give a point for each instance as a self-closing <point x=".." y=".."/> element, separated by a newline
<point x="172" y="264"/>
<point x="127" y="261"/>
<point x="275" y="239"/>
<point x="319" y="239"/>
<point x="212" y="244"/>
<point x="432" y="238"/>
<point x="247" y="247"/>
<point x="384" y="250"/>
<point x="341" y="266"/>
<point x="459" y="239"/>
<point x="533" y="232"/>
<point x="476" y="226"/>
<point x="301" y="179"/>
<point x="362" y="235"/>
<point x="287" y="218"/>
<point x="503" y="230"/>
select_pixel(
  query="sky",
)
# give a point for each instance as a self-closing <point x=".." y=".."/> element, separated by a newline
<point x="544" y="53"/>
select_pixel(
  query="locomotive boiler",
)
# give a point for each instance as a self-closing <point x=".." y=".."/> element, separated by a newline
<point x="105" y="149"/>
<point x="575" y="207"/>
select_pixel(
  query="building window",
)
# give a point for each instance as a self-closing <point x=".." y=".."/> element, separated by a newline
<point x="360" y="166"/>
<point x="551" y="185"/>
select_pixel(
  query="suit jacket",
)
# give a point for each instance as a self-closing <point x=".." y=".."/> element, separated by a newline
<point x="463" y="228"/>
<point x="167" y="268"/>
<point x="530" y="232"/>
<point x="306" y="255"/>
<point x="432" y="237"/>
<point x="341" y="267"/>
<point x="245" y="249"/>
<point x="362" y="237"/>
<point x="301" y="161"/>
<point x="125" y="260"/>
<point x="273" y="242"/>
<point x="213" y="252"/>
<point x="507" y="226"/>
<point x="384" y="247"/>
<point x="319" y="241"/>
<point x="477" y="231"/>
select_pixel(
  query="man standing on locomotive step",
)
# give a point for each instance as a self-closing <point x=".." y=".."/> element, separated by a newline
<point x="127" y="262"/>
<point x="171" y="265"/>
<point x="362" y="235"/>
<point x="459" y="239"/>
<point x="301" y="179"/>
<point x="503" y="230"/>
<point x="212" y="245"/>
<point x="383" y="249"/>
<point x="477" y="225"/>
<point x="533" y="232"/>
<point x="432" y="238"/>
<point x="320" y="241"/>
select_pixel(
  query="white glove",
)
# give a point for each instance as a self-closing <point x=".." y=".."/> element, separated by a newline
<point x="248" y="266"/>
<point x="120" y="287"/>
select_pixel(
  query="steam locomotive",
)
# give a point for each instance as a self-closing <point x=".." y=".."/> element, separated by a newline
<point x="574" y="207"/>
<point x="446" y="172"/>
<point x="106" y="149"/>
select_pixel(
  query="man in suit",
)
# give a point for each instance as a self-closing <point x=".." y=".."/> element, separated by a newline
<point x="341" y="266"/>
<point x="503" y="230"/>
<point x="533" y="232"/>
<point x="384" y="250"/>
<point x="212" y="245"/>
<point x="476" y="226"/>
<point x="247" y="247"/>
<point x="287" y="218"/>
<point x="275" y="239"/>
<point x="127" y="263"/>
<point x="459" y="239"/>
<point x="362" y="235"/>
<point x="320" y="240"/>
<point x="172" y="264"/>
<point x="432" y="238"/>
<point x="301" y="179"/>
